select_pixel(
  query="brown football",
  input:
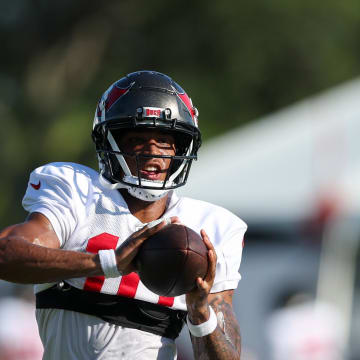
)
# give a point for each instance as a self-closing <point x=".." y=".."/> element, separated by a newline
<point x="169" y="261"/>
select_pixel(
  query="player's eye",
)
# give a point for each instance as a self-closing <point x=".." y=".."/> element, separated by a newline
<point x="165" y="140"/>
<point x="135" y="140"/>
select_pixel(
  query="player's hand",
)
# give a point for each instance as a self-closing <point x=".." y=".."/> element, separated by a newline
<point x="197" y="299"/>
<point x="127" y="251"/>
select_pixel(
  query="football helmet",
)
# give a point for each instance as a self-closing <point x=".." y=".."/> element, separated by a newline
<point x="145" y="100"/>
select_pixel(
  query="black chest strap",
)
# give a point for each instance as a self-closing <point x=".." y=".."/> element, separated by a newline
<point x="113" y="309"/>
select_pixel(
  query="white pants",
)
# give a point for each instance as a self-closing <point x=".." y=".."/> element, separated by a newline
<point x="74" y="336"/>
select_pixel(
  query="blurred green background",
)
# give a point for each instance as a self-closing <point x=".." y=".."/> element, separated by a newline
<point x="237" y="60"/>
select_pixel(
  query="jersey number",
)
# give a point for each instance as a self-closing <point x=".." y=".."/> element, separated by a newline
<point x="128" y="283"/>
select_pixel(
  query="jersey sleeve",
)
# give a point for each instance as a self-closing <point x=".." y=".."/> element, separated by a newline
<point x="50" y="193"/>
<point x="225" y="230"/>
<point x="229" y="255"/>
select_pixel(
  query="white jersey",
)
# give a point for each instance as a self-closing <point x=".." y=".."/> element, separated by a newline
<point x="88" y="217"/>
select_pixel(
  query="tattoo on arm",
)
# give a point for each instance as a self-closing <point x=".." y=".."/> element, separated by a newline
<point x="225" y="341"/>
<point x="227" y="321"/>
<point x="222" y="325"/>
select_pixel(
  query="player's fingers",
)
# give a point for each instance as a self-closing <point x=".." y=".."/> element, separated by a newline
<point x="210" y="275"/>
<point x="212" y="258"/>
<point x="129" y="248"/>
<point x="206" y="283"/>
<point x="208" y="243"/>
<point x="156" y="225"/>
<point x="176" y="220"/>
<point x="206" y="240"/>
<point x="138" y="237"/>
<point x="150" y="229"/>
<point x="203" y="287"/>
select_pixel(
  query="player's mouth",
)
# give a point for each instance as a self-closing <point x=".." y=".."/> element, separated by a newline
<point x="153" y="172"/>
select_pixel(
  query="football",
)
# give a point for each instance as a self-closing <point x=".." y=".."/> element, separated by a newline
<point x="169" y="261"/>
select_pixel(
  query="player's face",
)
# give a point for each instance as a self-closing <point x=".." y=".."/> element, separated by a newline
<point x="147" y="142"/>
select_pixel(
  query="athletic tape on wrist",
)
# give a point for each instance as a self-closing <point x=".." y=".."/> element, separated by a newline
<point x="205" y="328"/>
<point x="108" y="263"/>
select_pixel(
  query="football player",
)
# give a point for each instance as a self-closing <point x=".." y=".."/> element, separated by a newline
<point x="85" y="227"/>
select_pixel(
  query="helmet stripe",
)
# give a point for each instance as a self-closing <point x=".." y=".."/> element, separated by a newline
<point x="115" y="94"/>
<point x="187" y="101"/>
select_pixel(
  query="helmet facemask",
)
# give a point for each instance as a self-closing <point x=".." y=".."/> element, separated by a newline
<point x="118" y="171"/>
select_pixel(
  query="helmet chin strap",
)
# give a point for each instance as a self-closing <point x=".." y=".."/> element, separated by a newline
<point x="139" y="193"/>
<point x="147" y="194"/>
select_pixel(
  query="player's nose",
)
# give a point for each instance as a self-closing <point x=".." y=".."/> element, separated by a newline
<point x="152" y="147"/>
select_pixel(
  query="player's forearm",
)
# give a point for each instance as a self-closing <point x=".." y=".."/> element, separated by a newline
<point x="217" y="345"/>
<point x="224" y="343"/>
<point x="24" y="262"/>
